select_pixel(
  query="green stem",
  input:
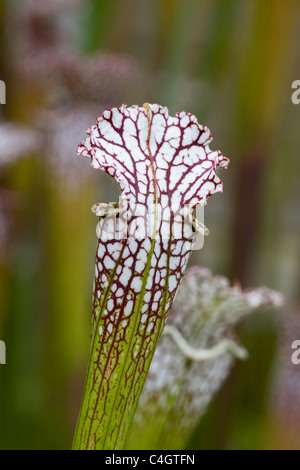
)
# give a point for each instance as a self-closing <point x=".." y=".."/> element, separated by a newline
<point x="120" y="355"/>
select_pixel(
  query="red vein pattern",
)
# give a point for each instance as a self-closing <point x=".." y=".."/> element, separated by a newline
<point x="162" y="164"/>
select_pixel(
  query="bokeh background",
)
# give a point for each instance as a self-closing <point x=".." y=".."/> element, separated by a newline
<point x="232" y="64"/>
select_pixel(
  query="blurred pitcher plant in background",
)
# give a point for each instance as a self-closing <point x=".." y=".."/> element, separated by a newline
<point x="193" y="358"/>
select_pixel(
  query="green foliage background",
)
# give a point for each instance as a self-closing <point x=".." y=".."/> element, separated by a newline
<point x="230" y="63"/>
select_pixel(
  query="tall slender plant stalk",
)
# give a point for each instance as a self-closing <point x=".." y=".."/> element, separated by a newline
<point x="162" y="164"/>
